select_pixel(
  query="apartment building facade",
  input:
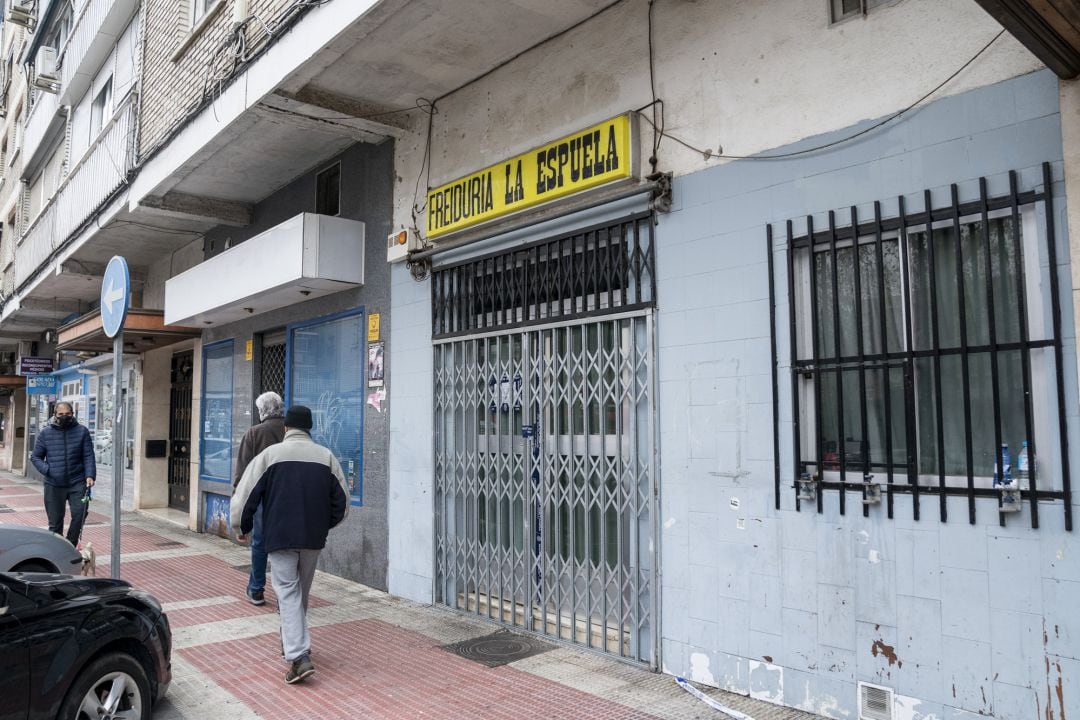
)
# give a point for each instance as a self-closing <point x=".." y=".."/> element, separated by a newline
<point x="747" y="434"/>
<point x="714" y="339"/>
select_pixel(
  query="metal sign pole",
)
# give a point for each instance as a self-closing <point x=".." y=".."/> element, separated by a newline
<point x="115" y="296"/>
<point x="118" y="448"/>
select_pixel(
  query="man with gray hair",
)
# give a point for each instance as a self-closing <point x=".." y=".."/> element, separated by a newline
<point x="270" y="430"/>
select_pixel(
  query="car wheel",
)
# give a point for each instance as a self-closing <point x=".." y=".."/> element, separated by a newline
<point x="113" y="687"/>
<point x="33" y="566"/>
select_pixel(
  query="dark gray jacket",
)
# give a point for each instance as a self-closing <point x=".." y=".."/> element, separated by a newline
<point x="269" y="432"/>
<point x="64" y="455"/>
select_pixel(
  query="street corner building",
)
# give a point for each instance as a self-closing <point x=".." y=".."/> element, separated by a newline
<point x="733" y="339"/>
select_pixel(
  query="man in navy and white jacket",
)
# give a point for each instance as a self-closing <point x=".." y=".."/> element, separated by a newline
<point x="301" y="490"/>
<point x="64" y="454"/>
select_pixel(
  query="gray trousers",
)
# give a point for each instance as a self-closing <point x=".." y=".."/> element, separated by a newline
<point x="291" y="573"/>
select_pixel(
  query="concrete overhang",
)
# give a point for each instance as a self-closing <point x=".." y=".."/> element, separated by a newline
<point x="1050" y="29"/>
<point x="10" y="383"/>
<point x="143" y="330"/>
<point x="305" y="257"/>
<point x="352" y="71"/>
<point x="26" y="318"/>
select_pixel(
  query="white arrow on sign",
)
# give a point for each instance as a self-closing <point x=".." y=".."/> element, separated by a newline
<point x="112" y="295"/>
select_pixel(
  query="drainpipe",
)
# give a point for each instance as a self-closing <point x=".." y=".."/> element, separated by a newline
<point x="240" y="12"/>
<point x="140" y="71"/>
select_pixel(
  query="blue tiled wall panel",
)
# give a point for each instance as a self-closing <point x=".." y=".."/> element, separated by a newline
<point x="951" y="615"/>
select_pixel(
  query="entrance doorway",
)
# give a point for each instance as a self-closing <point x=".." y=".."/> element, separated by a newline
<point x="545" y="482"/>
<point x="544" y="414"/>
<point x="180" y="431"/>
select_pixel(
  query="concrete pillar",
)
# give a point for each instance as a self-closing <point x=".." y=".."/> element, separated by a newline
<point x="1070" y="141"/>
<point x="18" y="433"/>
<point x="153" y="393"/>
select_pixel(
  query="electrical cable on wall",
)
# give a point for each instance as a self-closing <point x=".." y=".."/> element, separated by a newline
<point x="236" y="44"/>
<point x="425" y="164"/>
<point x="658" y="129"/>
<point x="709" y="154"/>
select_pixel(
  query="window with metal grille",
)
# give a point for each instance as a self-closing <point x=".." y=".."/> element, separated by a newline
<point x="598" y="270"/>
<point x="928" y="351"/>
<point x="272" y="370"/>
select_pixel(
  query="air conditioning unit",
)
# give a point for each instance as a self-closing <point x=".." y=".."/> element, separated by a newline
<point x="21" y="12"/>
<point x="875" y="702"/>
<point x="400" y="244"/>
<point x="46" y="70"/>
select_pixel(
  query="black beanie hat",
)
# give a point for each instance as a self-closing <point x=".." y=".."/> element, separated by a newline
<point x="298" y="416"/>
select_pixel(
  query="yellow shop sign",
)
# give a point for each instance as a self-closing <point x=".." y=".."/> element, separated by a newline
<point x="595" y="156"/>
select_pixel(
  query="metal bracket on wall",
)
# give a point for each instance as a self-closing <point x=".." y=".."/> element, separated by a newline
<point x="661" y="193"/>
<point x="420" y="268"/>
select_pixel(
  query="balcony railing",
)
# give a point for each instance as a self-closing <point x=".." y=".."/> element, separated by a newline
<point x="44" y="116"/>
<point x="88" y="46"/>
<point x="88" y="184"/>
<point x="7" y="283"/>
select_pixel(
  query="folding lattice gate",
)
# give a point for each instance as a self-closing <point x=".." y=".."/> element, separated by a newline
<point x="545" y="482"/>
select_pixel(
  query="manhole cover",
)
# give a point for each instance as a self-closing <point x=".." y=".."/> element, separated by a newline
<point x="499" y="648"/>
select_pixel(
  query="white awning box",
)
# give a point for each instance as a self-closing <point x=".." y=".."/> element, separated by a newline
<point x="305" y="257"/>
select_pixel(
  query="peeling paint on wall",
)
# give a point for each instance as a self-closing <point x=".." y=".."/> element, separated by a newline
<point x="830" y="706"/>
<point x="699" y="669"/>
<point x="766" y="682"/>
<point x="909" y="708"/>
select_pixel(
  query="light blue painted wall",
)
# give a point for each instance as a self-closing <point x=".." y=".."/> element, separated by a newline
<point x="788" y="605"/>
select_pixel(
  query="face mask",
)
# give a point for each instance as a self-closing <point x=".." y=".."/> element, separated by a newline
<point x="66" y="420"/>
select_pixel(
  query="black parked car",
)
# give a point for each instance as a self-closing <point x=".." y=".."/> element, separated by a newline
<point x="80" y="648"/>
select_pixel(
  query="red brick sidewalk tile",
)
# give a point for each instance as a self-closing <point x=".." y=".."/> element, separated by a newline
<point x="198" y="577"/>
<point x="132" y="539"/>
<point x="38" y="518"/>
<point x="8" y="490"/>
<point x="371" y="669"/>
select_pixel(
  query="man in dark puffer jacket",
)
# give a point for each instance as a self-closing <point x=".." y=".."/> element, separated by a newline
<point x="64" y="454"/>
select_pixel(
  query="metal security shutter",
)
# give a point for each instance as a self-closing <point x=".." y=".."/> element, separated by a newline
<point x="544" y="411"/>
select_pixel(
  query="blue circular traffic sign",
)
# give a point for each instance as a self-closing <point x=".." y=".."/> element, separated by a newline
<point x="115" y="294"/>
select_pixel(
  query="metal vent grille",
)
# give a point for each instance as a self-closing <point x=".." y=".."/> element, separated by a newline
<point x="875" y="702"/>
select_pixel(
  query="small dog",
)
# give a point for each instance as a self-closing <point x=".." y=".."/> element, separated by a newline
<point x="89" y="560"/>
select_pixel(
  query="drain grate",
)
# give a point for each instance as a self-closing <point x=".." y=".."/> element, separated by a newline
<point x="169" y="544"/>
<point x="7" y="510"/>
<point x="242" y="568"/>
<point x="499" y="648"/>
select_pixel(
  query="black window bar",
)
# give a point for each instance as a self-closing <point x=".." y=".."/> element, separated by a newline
<point x="598" y="270"/>
<point x="911" y="363"/>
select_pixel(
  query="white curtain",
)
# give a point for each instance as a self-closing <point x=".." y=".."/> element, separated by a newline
<point x="870" y="446"/>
